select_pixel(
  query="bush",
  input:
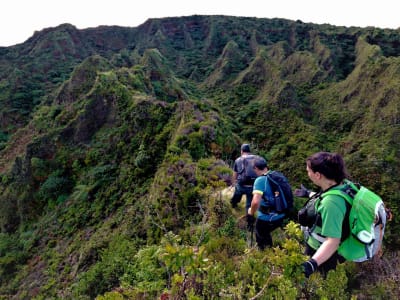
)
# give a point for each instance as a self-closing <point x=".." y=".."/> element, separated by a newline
<point x="54" y="189"/>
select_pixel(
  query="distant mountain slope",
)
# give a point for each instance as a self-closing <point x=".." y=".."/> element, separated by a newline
<point x="113" y="139"/>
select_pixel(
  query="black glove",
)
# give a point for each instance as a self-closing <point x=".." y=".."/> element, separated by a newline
<point x="302" y="192"/>
<point x="250" y="222"/>
<point x="309" y="267"/>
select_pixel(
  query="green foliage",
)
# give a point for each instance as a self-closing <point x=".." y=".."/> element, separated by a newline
<point x="183" y="259"/>
<point x="106" y="272"/>
<point x="115" y="162"/>
<point x="9" y="216"/>
<point x="333" y="287"/>
<point x="54" y="190"/>
<point x="145" y="272"/>
<point x="3" y="139"/>
<point x="12" y="255"/>
<point x="40" y="168"/>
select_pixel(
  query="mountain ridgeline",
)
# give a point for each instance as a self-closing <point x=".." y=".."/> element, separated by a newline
<point x="115" y="143"/>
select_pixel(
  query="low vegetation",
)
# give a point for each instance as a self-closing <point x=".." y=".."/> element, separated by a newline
<point x="116" y="155"/>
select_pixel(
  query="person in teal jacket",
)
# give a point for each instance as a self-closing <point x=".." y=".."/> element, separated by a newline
<point x="268" y="219"/>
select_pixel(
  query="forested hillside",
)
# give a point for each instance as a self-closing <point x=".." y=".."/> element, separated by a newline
<point x="116" y="148"/>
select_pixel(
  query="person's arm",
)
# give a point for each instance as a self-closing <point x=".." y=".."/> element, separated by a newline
<point x="326" y="250"/>
<point x="255" y="203"/>
<point x="235" y="172"/>
<point x="234" y="178"/>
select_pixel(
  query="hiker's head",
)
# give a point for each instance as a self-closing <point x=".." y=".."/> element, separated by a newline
<point x="259" y="164"/>
<point x="330" y="165"/>
<point x="245" y="148"/>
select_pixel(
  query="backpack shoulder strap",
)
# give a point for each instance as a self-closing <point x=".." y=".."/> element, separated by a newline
<point x="269" y="179"/>
<point x="340" y="193"/>
<point x="245" y="160"/>
<point x="267" y="193"/>
<point x="275" y="183"/>
<point x="348" y="191"/>
<point x="349" y="203"/>
<point x="267" y="186"/>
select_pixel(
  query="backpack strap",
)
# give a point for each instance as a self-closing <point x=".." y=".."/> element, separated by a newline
<point x="245" y="163"/>
<point x="346" y="220"/>
<point x="340" y="193"/>
<point x="281" y="193"/>
<point x="241" y="166"/>
<point x="267" y="191"/>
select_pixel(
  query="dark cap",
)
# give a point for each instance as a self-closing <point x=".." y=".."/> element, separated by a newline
<point x="260" y="163"/>
<point x="245" y="148"/>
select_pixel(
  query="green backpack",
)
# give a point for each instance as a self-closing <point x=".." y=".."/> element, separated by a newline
<point x="366" y="222"/>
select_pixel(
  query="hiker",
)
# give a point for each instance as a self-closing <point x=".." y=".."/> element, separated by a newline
<point x="265" y="201"/>
<point x="243" y="177"/>
<point x="327" y="171"/>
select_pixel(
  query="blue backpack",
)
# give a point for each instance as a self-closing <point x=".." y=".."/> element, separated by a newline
<point x="278" y="196"/>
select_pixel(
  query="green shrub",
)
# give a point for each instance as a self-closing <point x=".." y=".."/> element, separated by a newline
<point x="54" y="189"/>
<point x="106" y="273"/>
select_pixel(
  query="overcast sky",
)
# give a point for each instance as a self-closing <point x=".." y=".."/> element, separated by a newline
<point x="20" y="18"/>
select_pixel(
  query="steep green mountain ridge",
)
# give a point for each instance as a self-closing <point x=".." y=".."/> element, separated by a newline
<point x="113" y="137"/>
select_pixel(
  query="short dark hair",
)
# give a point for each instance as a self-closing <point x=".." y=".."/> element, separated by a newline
<point x="260" y="163"/>
<point x="245" y="148"/>
<point x="331" y="165"/>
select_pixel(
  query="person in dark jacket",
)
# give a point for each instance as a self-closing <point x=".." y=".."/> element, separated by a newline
<point x="243" y="178"/>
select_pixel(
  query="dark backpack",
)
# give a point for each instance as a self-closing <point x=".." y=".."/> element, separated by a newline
<point x="246" y="175"/>
<point x="278" y="192"/>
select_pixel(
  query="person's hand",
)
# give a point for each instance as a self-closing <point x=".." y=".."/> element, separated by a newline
<point x="309" y="267"/>
<point x="250" y="222"/>
<point x="302" y="192"/>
